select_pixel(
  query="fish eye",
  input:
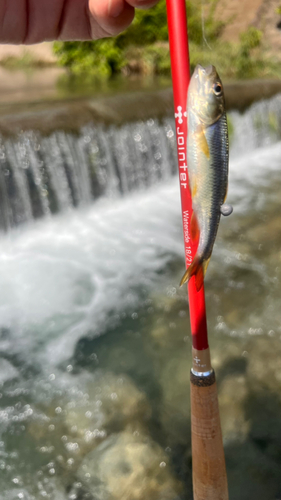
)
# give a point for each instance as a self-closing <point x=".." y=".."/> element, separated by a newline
<point x="217" y="89"/>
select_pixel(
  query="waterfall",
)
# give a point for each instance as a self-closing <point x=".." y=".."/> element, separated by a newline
<point x="259" y="126"/>
<point x="41" y="175"/>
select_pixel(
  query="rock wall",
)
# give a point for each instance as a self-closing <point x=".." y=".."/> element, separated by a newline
<point x="241" y="14"/>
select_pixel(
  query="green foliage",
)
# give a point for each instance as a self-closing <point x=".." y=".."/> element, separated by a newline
<point x="149" y="32"/>
<point x="198" y="29"/>
<point x="250" y="40"/>
<point x="100" y="57"/>
<point x="149" y="26"/>
<point x="144" y="49"/>
<point x="243" y="60"/>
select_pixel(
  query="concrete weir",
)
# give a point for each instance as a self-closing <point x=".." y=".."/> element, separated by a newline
<point x="71" y="114"/>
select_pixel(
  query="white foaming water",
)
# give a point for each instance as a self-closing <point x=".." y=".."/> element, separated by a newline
<point x="259" y="126"/>
<point x="248" y="171"/>
<point x="72" y="275"/>
<point x="66" y="277"/>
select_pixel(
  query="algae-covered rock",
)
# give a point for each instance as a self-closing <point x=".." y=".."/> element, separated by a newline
<point x="175" y="415"/>
<point x="81" y="419"/>
<point x="265" y="362"/>
<point x="232" y="396"/>
<point x="128" y="466"/>
<point x="252" y="475"/>
<point x="113" y="402"/>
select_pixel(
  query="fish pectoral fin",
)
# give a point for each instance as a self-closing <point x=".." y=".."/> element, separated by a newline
<point x="226" y="209"/>
<point x="194" y="188"/>
<point x="202" y="141"/>
<point x="194" y="228"/>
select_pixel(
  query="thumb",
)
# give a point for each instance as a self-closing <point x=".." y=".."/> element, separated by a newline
<point x="109" y="17"/>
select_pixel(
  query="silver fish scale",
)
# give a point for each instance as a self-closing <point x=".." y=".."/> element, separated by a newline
<point x="210" y="175"/>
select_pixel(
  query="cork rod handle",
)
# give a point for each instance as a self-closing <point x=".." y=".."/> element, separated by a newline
<point x="208" y="462"/>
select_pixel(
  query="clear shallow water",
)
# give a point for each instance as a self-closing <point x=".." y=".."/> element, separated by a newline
<point x="95" y="343"/>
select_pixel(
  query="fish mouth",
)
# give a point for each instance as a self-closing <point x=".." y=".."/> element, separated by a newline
<point x="200" y="71"/>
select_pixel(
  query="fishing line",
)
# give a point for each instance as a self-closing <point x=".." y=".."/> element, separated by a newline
<point x="203" y="26"/>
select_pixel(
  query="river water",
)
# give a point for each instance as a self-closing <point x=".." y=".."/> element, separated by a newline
<point x="94" y="330"/>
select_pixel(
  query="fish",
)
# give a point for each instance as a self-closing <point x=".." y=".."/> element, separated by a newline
<point x="207" y="156"/>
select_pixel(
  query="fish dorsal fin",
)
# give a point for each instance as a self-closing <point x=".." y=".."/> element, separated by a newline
<point x="202" y="141"/>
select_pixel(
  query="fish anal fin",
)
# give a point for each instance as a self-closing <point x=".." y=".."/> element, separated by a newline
<point x="199" y="278"/>
<point x="192" y="270"/>
<point x="202" y="141"/>
<point x="225" y="194"/>
<point x="194" y="228"/>
<point x="200" y="275"/>
<point x="196" y="269"/>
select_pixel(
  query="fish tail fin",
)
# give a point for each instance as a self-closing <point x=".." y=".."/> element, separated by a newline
<point x="197" y="268"/>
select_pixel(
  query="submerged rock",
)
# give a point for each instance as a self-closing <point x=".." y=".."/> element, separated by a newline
<point x="249" y="386"/>
<point x="128" y="466"/>
<point x="175" y="415"/>
<point x="112" y="403"/>
<point x="264" y="362"/>
<point x="232" y="395"/>
<point x="82" y="419"/>
<point x="252" y="475"/>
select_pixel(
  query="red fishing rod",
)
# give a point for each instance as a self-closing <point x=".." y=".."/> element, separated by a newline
<point x="208" y="462"/>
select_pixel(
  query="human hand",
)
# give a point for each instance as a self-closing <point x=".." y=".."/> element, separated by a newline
<point x="33" y="21"/>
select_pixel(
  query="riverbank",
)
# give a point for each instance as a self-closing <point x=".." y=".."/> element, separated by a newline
<point x="39" y="54"/>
